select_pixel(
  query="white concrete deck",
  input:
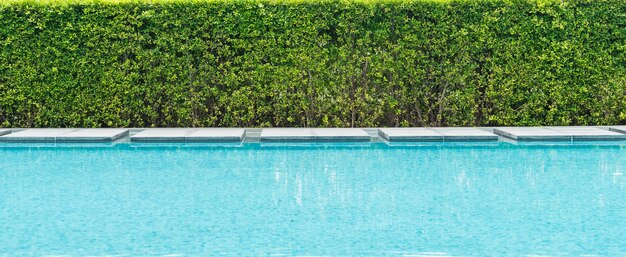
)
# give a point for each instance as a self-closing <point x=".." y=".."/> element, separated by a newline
<point x="558" y="133"/>
<point x="314" y="134"/>
<point x="65" y="135"/>
<point x="436" y="134"/>
<point x="189" y="135"/>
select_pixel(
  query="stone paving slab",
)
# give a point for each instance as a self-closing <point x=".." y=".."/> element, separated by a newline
<point x="196" y="145"/>
<point x="160" y="135"/>
<point x="410" y="134"/>
<point x="316" y="144"/>
<point x="287" y="134"/>
<point x="216" y="135"/>
<point x="314" y="134"/>
<point x="35" y="135"/>
<point x="466" y="134"/>
<point x="92" y="135"/>
<point x="558" y="133"/>
<point x="189" y="135"/>
<point x="341" y="134"/>
<point x="462" y="143"/>
<point x="65" y="135"/>
<point x="436" y="134"/>
<point x="590" y="133"/>
<point x="4" y="131"/>
<point x="532" y="134"/>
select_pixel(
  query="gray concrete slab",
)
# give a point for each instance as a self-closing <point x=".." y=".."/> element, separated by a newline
<point x="39" y="135"/>
<point x="216" y="135"/>
<point x="189" y="135"/>
<point x="532" y="134"/>
<point x="160" y="135"/>
<point x="436" y="134"/>
<point x="36" y="135"/>
<point x="178" y="145"/>
<point x="590" y="133"/>
<point x="460" y="143"/>
<point x="341" y="134"/>
<point x="93" y="135"/>
<point x="316" y="144"/>
<point x="410" y="134"/>
<point x="466" y="134"/>
<point x="314" y="134"/>
<point x="558" y="133"/>
<point x="287" y="134"/>
<point x="4" y="131"/>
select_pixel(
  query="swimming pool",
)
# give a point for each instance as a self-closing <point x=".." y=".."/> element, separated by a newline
<point x="452" y="199"/>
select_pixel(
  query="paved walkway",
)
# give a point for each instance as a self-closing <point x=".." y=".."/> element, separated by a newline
<point x="281" y="135"/>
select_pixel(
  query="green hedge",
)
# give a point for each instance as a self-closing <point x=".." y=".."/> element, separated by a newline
<point x="313" y="64"/>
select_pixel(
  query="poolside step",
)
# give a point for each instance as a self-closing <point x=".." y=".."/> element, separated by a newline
<point x="436" y="134"/>
<point x="4" y="131"/>
<point x="558" y="133"/>
<point x="314" y="134"/>
<point x="189" y="135"/>
<point x="65" y="135"/>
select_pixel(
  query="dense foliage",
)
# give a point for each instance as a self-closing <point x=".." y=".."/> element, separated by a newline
<point x="316" y="64"/>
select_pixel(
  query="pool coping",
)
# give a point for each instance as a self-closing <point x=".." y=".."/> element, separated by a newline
<point x="444" y="134"/>
<point x="560" y="133"/>
<point x="188" y="135"/>
<point x="291" y="135"/>
<point x="64" y="135"/>
<point x="314" y="135"/>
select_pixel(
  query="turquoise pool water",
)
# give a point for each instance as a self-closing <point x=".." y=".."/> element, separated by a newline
<point x="493" y="199"/>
